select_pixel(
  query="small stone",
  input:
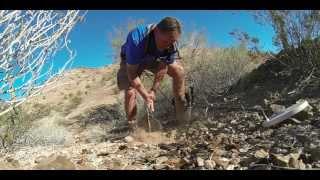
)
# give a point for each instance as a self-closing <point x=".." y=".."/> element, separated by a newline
<point x="276" y="108"/>
<point x="256" y="117"/>
<point x="14" y="163"/>
<point x="235" y="160"/>
<point x="315" y="153"/>
<point x="9" y="159"/>
<point x="246" y="161"/>
<point x="280" y="160"/>
<point x="7" y="166"/>
<point x="317" y="165"/>
<point x="128" y="139"/>
<point x="308" y="166"/>
<point x="85" y="151"/>
<point x="295" y="156"/>
<point x="55" y="162"/>
<point x="296" y="163"/>
<point x="230" y="167"/>
<point x="209" y="164"/>
<point x="117" y="164"/>
<point x="177" y="163"/>
<point x="186" y="160"/>
<point x="251" y="125"/>
<point x="200" y="162"/>
<point x="220" y="125"/>
<point x="243" y="150"/>
<point x="233" y="122"/>
<point x="39" y="159"/>
<point x="305" y="113"/>
<point x="80" y="161"/>
<point x="316" y="122"/>
<point x="161" y="159"/>
<point x="223" y="162"/>
<point x="102" y="154"/>
<point x="160" y="167"/>
<point x="219" y="152"/>
<point x="261" y="154"/>
<point x="122" y="147"/>
<point x="230" y="147"/>
<point x="277" y="150"/>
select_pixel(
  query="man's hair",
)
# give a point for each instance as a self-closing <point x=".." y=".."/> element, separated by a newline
<point x="169" y="24"/>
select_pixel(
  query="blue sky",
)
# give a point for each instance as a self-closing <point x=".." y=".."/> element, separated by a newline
<point x="91" y="40"/>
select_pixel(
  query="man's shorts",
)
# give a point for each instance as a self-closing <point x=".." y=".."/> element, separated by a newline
<point x="122" y="76"/>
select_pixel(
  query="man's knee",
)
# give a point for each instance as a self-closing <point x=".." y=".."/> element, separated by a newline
<point x="176" y="71"/>
<point x="131" y="93"/>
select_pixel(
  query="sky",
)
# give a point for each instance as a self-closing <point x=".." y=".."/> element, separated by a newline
<point x="91" y="38"/>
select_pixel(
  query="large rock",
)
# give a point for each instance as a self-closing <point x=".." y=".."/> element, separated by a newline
<point x="55" y="162"/>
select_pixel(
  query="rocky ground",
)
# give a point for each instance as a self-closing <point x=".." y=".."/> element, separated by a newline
<point x="232" y="140"/>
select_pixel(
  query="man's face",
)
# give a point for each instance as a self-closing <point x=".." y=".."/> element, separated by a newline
<point x="166" y="39"/>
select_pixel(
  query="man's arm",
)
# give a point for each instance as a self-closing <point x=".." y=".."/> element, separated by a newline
<point x="132" y="71"/>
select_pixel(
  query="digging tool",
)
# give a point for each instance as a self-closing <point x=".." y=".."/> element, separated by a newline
<point x="150" y="122"/>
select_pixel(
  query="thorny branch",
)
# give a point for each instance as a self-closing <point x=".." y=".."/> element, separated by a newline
<point x="29" y="41"/>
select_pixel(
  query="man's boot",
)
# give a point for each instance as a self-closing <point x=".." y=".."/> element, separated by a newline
<point x="182" y="110"/>
<point x="133" y="126"/>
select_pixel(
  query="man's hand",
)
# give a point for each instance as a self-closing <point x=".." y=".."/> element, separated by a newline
<point x="152" y="94"/>
<point x="150" y="105"/>
<point x="150" y="101"/>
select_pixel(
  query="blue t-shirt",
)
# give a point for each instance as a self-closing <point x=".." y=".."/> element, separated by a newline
<point x="135" y="49"/>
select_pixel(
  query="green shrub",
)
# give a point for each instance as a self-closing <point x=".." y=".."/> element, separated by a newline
<point x="40" y="110"/>
<point x="216" y="70"/>
<point x="72" y="104"/>
<point x="13" y="125"/>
